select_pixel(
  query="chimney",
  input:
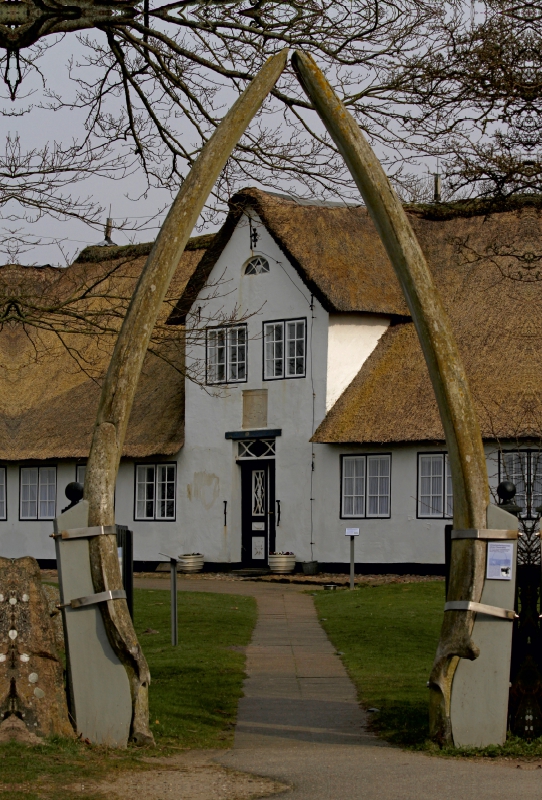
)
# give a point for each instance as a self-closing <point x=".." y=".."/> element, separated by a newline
<point x="437" y="187"/>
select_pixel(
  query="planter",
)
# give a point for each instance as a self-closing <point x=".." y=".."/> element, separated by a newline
<point x="310" y="567"/>
<point x="282" y="563"/>
<point x="190" y="562"/>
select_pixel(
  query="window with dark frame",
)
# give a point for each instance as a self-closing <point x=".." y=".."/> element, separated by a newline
<point x="284" y="349"/>
<point x="365" y="486"/>
<point x="435" y="492"/>
<point x="227" y="354"/>
<point x="37" y="493"/>
<point x="524" y="469"/>
<point x="155" y="492"/>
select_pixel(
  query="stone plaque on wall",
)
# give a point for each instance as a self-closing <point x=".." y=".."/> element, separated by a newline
<point x="255" y="408"/>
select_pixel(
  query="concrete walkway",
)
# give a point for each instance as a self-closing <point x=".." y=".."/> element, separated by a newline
<point x="299" y="721"/>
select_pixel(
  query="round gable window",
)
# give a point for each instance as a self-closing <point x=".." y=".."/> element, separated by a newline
<point x="257" y="265"/>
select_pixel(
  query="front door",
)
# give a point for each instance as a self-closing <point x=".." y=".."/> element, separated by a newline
<point x="258" y="512"/>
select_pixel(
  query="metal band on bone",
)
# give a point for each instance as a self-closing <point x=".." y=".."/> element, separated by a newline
<point x="475" y="533"/>
<point x="480" y="608"/>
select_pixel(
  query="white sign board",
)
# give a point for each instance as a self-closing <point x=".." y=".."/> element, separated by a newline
<point x="352" y="531"/>
<point x="499" y="561"/>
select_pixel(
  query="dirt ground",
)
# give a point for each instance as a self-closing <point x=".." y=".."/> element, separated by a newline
<point x="310" y="580"/>
<point x="187" y="777"/>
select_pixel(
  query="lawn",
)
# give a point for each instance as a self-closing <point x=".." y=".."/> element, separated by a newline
<point x="193" y="696"/>
<point x="387" y="636"/>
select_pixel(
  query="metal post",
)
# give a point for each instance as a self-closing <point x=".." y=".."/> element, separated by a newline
<point x="352" y="562"/>
<point x="174" y="624"/>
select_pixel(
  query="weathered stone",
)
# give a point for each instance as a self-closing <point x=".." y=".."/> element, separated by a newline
<point x="31" y="674"/>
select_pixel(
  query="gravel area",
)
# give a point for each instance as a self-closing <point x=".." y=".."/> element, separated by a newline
<point x="311" y="580"/>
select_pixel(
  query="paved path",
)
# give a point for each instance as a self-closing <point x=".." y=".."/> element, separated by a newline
<point x="299" y="721"/>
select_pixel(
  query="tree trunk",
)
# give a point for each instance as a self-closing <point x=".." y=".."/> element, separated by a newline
<point x="459" y="419"/>
<point x="124" y="369"/>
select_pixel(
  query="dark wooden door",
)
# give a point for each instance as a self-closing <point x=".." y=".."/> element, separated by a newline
<point x="257" y="511"/>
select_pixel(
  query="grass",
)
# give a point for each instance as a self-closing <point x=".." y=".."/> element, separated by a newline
<point x="388" y="637"/>
<point x="193" y="697"/>
<point x="196" y="686"/>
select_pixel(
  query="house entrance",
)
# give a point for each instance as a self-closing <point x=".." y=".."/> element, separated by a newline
<point x="257" y="511"/>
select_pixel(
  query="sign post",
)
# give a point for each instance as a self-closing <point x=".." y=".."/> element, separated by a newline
<point x="174" y="625"/>
<point x="352" y="532"/>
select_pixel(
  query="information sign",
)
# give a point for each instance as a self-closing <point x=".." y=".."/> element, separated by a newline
<point x="352" y="531"/>
<point x="499" y="561"/>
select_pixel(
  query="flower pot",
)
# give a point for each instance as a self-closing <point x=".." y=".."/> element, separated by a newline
<point x="190" y="562"/>
<point x="281" y="563"/>
<point x="310" y="568"/>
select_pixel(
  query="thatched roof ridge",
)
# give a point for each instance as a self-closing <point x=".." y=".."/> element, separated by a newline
<point x="99" y="253"/>
<point x="334" y="248"/>
<point x="489" y="273"/>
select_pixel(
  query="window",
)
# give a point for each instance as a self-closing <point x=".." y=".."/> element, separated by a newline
<point x="435" y="494"/>
<point x="38" y="493"/>
<point x="155" y="491"/>
<point x="80" y="471"/>
<point x="524" y="469"/>
<point x="256" y="448"/>
<point x="3" y="502"/>
<point x="365" y="486"/>
<point x="257" y="265"/>
<point x="284" y="349"/>
<point x="227" y="354"/>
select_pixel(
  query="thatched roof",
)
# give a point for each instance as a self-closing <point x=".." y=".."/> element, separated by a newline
<point x="334" y="248"/>
<point x="488" y="269"/>
<point x="55" y="348"/>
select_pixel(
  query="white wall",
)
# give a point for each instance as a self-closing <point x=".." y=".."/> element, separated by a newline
<point x="351" y="340"/>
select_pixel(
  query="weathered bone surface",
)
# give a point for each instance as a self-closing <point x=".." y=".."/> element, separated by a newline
<point x="125" y="367"/>
<point x="32" y="695"/>
<point x="459" y="420"/>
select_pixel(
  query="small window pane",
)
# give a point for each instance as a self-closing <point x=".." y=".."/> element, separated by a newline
<point x="536" y="481"/>
<point x="431" y="485"/>
<point x="378" y="486"/>
<point x="80" y="473"/>
<point x="237" y="354"/>
<point x="47" y="492"/>
<point x="514" y="468"/>
<point x="29" y="493"/>
<point x="145" y="491"/>
<point x="216" y="355"/>
<point x="449" y="489"/>
<point x="353" y="501"/>
<point x="274" y="350"/>
<point x="3" y="514"/>
<point x="165" y="491"/>
<point x="295" y="345"/>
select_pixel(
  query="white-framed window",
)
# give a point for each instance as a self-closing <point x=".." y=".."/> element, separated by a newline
<point x="227" y="354"/>
<point x="3" y="498"/>
<point x="365" y="486"/>
<point x="37" y="493"/>
<point x="80" y="472"/>
<point x="155" y="491"/>
<point x="524" y="469"/>
<point x="435" y="493"/>
<point x="257" y="265"/>
<point x="284" y="349"/>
